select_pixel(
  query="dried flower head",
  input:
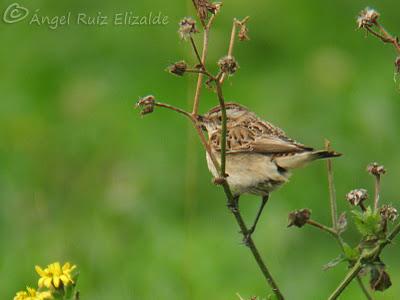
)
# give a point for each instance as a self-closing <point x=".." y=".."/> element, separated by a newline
<point x="357" y="197"/>
<point x="388" y="212"/>
<point x="397" y="65"/>
<point x="299" y="217"/>
<point x="243" y="33"/>
<point x="146" y="105"/>
<point x="178" y="68"/>
<point x="187" y="27"/>
<point x="376" y="169"/>
<point x="203" y="7"/>
<point x="380" y="279"/>
<point x="228" y="65"/>
<point x="367" y="18"/>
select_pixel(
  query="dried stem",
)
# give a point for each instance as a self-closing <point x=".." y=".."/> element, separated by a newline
<point x="332" y="192"/>
<point x="322" y="227"/>
<point x="384" y="36"/>
<point x="202" y="62"/>
<point x="377" y="191"/>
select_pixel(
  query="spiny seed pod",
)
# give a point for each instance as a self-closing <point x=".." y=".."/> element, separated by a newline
<point x="388" y="212"/>
<point x="380" y="280"/>
<point x="179" y="68"/>
<point x="367" y="18"/>
<point x="299" y="217"/>
<point x="228" y="65"/>
<point x="187" y="27"/>
<point x="357" y="197"/>
<point x="146" y="104"/>
<point x="375" y="169"/>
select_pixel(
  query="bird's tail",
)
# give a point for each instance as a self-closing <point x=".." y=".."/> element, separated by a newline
<point x="301" y="159"/>
<point x="325" y="154"/>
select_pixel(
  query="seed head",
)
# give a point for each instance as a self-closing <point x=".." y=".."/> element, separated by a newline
<point x="178" y="68"/>
<point x="375" y="169"/>
<point x="357" y="197"/>
<point x="367" y="18"/>
<point x="187" y="27"/>
<point x="243" y="33"/>
<point x="228" y="65"/>
<point x="146" y="104"/>
<point x="388" y="212"/>
<point x="299" y="217"/>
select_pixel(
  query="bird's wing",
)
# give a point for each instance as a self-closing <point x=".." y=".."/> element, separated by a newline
<point x="242" y="139"/>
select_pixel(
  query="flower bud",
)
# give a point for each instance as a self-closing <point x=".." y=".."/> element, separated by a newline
<point x="146" y="105"/>
<point x="178" y="68"/>
<point x="375" y="169"/>
<point x="299" y="217"/>
<point x="357" y="197"/>
<point x="228" y="65"/>
<point x="388" y="212"/>
<point x="367" y="18"/>
<point x="187" y="27"/>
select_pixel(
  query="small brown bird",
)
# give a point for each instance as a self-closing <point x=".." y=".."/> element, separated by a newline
<point x="259" y="155"/>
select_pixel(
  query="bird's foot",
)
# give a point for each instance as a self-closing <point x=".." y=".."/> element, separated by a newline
<point x="247" y="237"/>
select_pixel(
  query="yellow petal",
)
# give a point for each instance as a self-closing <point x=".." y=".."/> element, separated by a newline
<point x="56" y="281"/>
<point x="47" y="282"/>
<point x="40" y="271"/>
<point x="41" y="282"/>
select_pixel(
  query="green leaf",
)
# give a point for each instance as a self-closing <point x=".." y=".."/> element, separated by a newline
<point x="351" y="254"/>
<point x="368" y="222"/>
<point x="334" y="262"/>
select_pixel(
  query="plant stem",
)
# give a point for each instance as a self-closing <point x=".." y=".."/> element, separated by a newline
<point x="332" y="192"/>
<point x="202" y="61"/>
<point x="377" y="191"/>
<point x="322" y="227"/>
<point x="364" y="288"/>
<point x="384" y="36"/>
<point x="346" y="281"/>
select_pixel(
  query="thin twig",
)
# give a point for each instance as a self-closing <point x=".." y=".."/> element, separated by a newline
<point x="202" y="61"/>
<point x="332" y="192"/>
<point x="377" y="191"/>
<point x="364" y="288"/>
<point x="196" y="51"/>
<point x="322" y="227"/>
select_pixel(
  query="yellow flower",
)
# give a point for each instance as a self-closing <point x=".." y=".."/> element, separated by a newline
<point x="32" y="294"/>
<point x="55" y="275"/>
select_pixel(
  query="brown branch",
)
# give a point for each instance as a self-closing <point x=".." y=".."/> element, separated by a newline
<point x="322" y="227"/>
<point x="202" y="61"/>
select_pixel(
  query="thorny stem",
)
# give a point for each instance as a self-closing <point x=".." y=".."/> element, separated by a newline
<point x="332" y="192"/>
<point x="202" y="61"/>
<point x="377" y="191"/>
<point x="366" y="256"/>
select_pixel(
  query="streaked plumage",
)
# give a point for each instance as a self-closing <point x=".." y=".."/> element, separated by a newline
<point x="260" y="156"/>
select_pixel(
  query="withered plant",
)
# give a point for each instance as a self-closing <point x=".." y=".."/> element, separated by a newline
<point x="372" y="222"/>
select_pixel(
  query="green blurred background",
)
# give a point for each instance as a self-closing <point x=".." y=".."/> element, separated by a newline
<point x="84" y="179"/>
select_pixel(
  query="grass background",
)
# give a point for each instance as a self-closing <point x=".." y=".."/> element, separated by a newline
<point x="84" y="179"/>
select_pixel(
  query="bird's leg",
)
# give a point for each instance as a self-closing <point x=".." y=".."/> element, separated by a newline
<point x="260" y="210"/>
<point x="234" y="204"/>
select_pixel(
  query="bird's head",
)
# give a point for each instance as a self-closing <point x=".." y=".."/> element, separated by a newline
<point x="212" y="120"/>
